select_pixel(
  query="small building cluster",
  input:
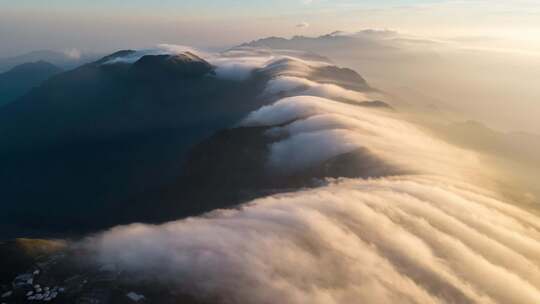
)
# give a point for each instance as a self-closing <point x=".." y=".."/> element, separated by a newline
<point x="24" y="285"/>
<point x="57" y="280"/>
<point x="45" y="294"/>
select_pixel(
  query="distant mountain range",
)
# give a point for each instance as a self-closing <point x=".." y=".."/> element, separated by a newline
<point x="512" y="145"/>
<point x="20" y="79"/>
<point x="63" y="60"/>
<point x="366" y="42"/>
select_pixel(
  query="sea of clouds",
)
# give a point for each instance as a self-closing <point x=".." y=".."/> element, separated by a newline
<point x="437" y="234"/>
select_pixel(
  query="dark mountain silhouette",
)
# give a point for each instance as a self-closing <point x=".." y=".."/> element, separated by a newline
<point x="20" y="79"/>
<point x="113" y="142"/>
<point x="179" y="66"/>
<point x="86" y="139"/>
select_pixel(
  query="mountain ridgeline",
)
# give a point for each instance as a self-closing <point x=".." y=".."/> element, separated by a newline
<point x="66" y="60"/>
<point x="22" y="78"/>
<point x="116" y="141"/>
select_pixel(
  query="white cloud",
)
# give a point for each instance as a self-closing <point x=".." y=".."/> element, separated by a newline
<point x="73" y="53"/>
<point x="384" y="134"/>
<point x="402" y="240"/>
<point x="303" y="86"/>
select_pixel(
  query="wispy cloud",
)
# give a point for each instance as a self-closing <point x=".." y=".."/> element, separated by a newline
<point x="302" y="25"/>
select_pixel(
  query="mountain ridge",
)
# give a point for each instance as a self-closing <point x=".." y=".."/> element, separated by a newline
<point x="90" y="140"/>
<point x="22" y="78"/>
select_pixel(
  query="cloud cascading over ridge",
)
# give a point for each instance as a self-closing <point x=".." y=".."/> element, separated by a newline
<point x="332" y="128"/>
<point x="402" y="240"/>
<point x="434" y="235"/>
<point x="303" y="86"/>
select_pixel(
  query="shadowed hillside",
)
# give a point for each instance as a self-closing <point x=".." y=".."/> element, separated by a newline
<point x="20" y="79"/>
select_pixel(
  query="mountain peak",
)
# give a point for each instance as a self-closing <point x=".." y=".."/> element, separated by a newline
<point x="115" y="55"/>
<point x="183" y="64"/>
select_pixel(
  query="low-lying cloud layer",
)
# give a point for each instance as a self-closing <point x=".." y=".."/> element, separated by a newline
<point x="436" y="235"/>
<point x="406" y="240"/>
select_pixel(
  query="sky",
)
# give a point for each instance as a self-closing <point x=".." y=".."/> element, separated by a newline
<point x="101" y="26"/>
